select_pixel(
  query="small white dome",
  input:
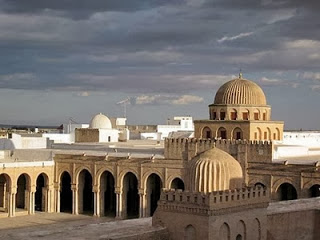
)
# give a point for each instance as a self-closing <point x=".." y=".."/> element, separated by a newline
<point x="100" y="121"/>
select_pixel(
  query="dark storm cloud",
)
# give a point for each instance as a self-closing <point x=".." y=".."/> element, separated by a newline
<point x="79" y="8"/>
<point x="152" y="45"/>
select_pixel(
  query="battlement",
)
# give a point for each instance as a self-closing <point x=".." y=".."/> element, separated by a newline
<point x="214" y="202"/>
<point x="187" y="148"/>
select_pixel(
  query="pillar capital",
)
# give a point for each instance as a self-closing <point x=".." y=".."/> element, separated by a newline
<point x="118" y="190"/>
<point x="96" y="188"/>
<point x="13" y="190"/>
<point x="74" y="187"/>
<point x="142" y="191"/>
<point x="33" y="188"/>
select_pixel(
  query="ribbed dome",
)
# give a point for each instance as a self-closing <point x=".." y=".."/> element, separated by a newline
<point x="215" y="170"/>
<point x="100" y="121"/>
<point x="240" y="91"/>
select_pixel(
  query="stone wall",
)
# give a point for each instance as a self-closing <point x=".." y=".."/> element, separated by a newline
<point x="86" y="135"/>
<point x="299" y="219"/>
<point x="242" y="150"/>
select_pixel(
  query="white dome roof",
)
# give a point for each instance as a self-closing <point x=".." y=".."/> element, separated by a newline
<point x="100" y="121"/>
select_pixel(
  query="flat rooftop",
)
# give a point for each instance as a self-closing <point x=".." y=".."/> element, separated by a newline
<point x="57" y="226"/>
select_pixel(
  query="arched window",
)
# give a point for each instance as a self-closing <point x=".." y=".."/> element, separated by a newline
<point x="233" y="115"/>
<point x="278" y="134"/>
<point x="190" y="233"/>
<point x="177" y="183"/>
<point x="259" y="184"/>
<point x="224" y="232"/>
<point x="206" y="133"/>
<point x="286" y="191"/>
<point x="259" y="134"/>
<point x="222" y="133"/>
<point x="269" y="134"/>
<point x="222" y="115"/>
<point x="245" y="115"/>
<point x="315" y="191"/>
<point x="256" y="114"/>
<point x="237" y="134"/>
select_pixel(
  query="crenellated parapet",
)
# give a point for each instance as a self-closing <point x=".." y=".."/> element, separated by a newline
<point x="242" y="150"/>
<point x="214" y="203"/>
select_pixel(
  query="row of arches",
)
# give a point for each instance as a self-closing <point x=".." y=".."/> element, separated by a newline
<point x="24" y="199"/>
<point x="239" y="231"/>
<point x="286" y="191"/>
<point x="234" y="114"/>
<point x="129" y="201"/>
<point x="237" y="133"/>
<point x="267" y="134"/>
<point x="222" y="133"/>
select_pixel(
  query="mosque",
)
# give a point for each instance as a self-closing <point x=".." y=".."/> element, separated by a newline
<point x="223" y="183"/>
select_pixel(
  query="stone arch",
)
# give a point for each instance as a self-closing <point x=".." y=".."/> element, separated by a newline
<point x="177" y="183"/>
<point x="276" y="184"/>
<point x="246" y="114"/>
<point x="237" y="133"/>
<point x="239" y="237"/>
<point x="153" y="190"/>
<point x="107" y="194"/>
<point x="259" y="184"/>
<point x="124" y="173"/>
<point x="265" y="115"/>
<point x="206" y="133"/>
<point x="222" y="114"/>
<point x="41" y="194"/>
<point x="256" y="114"/>
<point x="259" y="134"/>
<point x="130" y="195"/>
<point x="102" y="171"/>
<point x="65" y="192"/>
<point x="256" y="229"/>
<point x="23" y="188"/>
<point x="224" y="232"/>
<point x="78" y="171"/>
<point x="278" y="134"/>
<point x="269" y="137"/>
<point x="222" y="133"/>
<point x="148" y="173"/>
<point x="64" y="171"/>
<point x="314" y="190"/>
<point x="85" y="193"/>
<point x="5" y="188"/>
<point x="242" y="230"/>
<point x="286" y="191"/>
<point x="190" y="233"/>
<point x="233" y="114"/>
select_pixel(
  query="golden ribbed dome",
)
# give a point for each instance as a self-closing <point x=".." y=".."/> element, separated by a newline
<point x="215" y="170"/>
<point x="240" y="91"/>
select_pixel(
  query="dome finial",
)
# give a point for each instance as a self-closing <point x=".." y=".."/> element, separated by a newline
<point x="240" y="74"/>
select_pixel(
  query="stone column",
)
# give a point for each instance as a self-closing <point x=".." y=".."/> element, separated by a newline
<point x="12" y="202"/>
<point x="57" y="200"/>
<point x="75" y="192"/>
<point x="119" y="210"/>
<point x="31" y="203"/>
<point x="142" y="207"/>
<point x="49" y="199"/>
<point x="96" y="194"/>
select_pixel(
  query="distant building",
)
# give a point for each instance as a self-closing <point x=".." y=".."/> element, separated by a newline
<point x="100" y="130"/>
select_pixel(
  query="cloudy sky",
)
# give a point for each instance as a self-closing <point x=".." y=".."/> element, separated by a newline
<point x="63" y="58"/>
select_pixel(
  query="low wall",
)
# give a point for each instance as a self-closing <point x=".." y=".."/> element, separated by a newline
<point x="295" y="220"/>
